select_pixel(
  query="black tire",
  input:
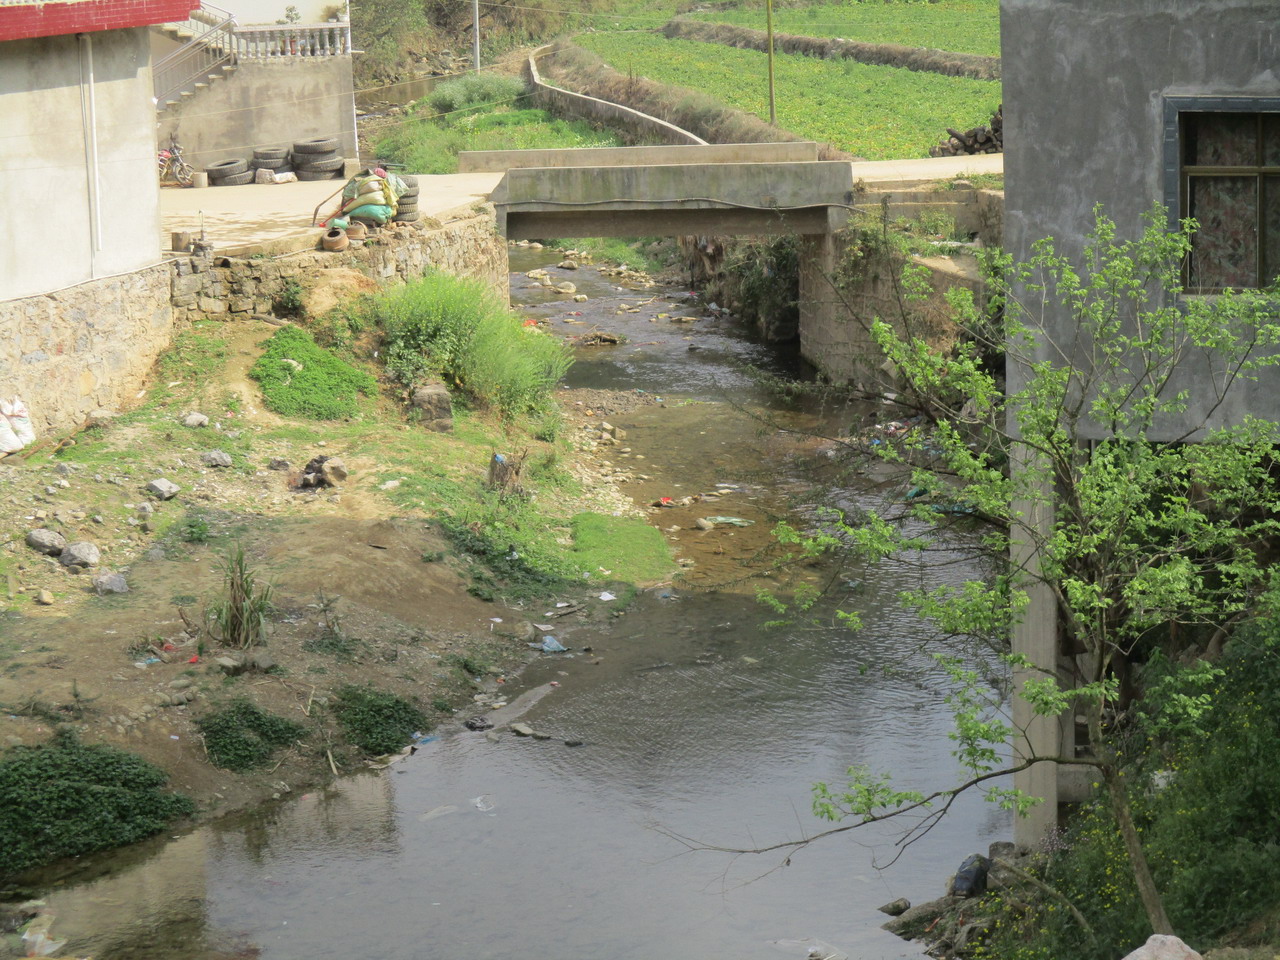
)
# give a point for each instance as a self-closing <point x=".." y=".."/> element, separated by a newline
<point x="406" y="208"/>
<point x="273" y="164"/>
<point x="270" y="153"/>
<point x="304" y="163"/>
<point x="411" y="196"/>
<point x="406" y="217"/>
<point x="307" y="159"/>
<point x="317" y="145"/>
<point x="226" y="168"/>
<point x="410" y="181"/>
<point x="315" y="174"/>
<point x="235" y="180"/>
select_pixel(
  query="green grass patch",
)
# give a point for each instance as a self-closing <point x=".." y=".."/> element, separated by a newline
<point x="376" y="721"/>
<point x="65" y="798"/>
<point x="880" y="113"/>
<point x="628" y="547"/>
<point x="961" y="26"/>
<point x="242" y="736"/>
<point x="301" y="379"/>
<point x="456" y="329"/>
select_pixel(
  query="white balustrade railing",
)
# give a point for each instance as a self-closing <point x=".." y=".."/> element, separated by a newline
<point x="271" y="41"/>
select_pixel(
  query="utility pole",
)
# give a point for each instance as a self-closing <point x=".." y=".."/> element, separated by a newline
<point x="475" y="31"/>
<point x="768" y="13"/>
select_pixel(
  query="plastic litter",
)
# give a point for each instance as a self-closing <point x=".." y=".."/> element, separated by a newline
<point x="732" y="521"/>
<point x="484" y="803"/>
<point x="814" y="949"/>
<point x="478" y="723"/>
<point x="607" y="596"/>
<point x="971" y="878"/>
<point x="37" y="939"/>
<point x="550" y="644"/>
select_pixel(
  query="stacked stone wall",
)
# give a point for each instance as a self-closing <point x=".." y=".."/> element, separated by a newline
<point x="92" y="346"/>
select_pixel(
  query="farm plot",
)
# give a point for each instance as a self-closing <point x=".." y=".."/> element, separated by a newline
<point x="879" y="113"/>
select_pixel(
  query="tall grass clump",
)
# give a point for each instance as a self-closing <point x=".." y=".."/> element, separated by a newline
<point x="239" y="618"/>
<point x="457" y="330"/>
<point x="475" y="90"/>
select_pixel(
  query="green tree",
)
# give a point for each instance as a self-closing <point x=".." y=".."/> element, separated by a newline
<point x="1109" y="474"/>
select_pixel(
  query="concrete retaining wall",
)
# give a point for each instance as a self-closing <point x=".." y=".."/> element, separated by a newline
<point x="495" y="161"/>
<point x="265" y="103"/>
<point x="566" y="102"/>
<point x="93" y="345"/>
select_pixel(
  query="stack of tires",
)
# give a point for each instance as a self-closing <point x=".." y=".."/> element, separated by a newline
<point x="275" y="159"/>
<point x="229" y="173"/>
<point x="318" y="159"/>
<point x="407" y="204"/>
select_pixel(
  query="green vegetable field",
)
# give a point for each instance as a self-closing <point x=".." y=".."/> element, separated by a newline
<point x="961" y="26"/>
<point x="879" y="113"/>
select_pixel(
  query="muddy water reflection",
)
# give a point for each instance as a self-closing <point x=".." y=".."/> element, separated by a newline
<point x="695" y="720"/>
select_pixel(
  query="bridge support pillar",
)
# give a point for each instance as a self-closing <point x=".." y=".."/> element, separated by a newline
<point x="832" y="338"/>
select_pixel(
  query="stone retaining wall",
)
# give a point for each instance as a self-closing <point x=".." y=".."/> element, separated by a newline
<point x="218" y="286"/>
<point x="92" y="346"/>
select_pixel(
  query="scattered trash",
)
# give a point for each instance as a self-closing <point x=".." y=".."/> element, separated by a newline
<point x="607" y="596"/>
<point x="971" y="878"/>
<point x="437" y="812"/>
<point x="38" y="941"/>
<point x="544" y="627"/>
<point x="732" y="521"/>
<point x="550" y="645"/>
<point x="173" y="736"/>
<point x="814" y="949"/>
<point x="484" y="803"/>
<point x="478" y="723"/>
<point x="195" y="659"/>
<point x="495" y="619"/>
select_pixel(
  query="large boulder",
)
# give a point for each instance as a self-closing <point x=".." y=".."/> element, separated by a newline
<point x="79" y="555"/>
<point x="48" y="542"/>
<point x="1161" y="947"/>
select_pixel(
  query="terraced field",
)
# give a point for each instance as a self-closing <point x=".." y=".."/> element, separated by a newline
<point x="961" y="26"/>
<point x="874" y="112"/>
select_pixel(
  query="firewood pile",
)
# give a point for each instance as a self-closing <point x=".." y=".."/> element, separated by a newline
<point x="985" y="139"/>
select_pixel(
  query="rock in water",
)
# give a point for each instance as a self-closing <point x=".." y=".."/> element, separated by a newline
<point x="971" y="878"/>
<point x="896" y="908"/>
<point x="1161" y="947"/>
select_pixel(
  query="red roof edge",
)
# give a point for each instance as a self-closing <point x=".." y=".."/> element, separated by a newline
<point x="52" y="19"/>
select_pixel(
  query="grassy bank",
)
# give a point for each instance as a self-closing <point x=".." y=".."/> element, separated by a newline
<point x="878" y="113"/>
<point x="961" y="26"/>
<point x="484" y="112"/>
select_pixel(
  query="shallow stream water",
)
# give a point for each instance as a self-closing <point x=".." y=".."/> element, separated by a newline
<point x="695" y="719"/>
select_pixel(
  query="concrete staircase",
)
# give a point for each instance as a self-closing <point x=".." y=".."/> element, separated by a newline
<point x="207" y="54"/>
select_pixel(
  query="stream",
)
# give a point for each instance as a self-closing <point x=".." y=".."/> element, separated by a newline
<point x="696" y="720"/>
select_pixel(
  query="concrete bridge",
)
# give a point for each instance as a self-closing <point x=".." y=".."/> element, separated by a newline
<point x="759" y="189"/>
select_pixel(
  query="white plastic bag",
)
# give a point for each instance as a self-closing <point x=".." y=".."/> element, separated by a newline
<point x="9" y="442"/>
<point x="20" y="421"/>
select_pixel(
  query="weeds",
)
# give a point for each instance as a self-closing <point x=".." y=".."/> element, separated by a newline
<point x="195" y="529"/>
<point x="332" y="639"/>
<point x="64" y="799"/>
<point x="239" y="619"/>
<point x="240" y="735"/>
<point x="443" y="326"/>
<point x="376" y="721"/>
<point x="301" y="379"/>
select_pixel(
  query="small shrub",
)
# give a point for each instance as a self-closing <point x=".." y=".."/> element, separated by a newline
<point x="474" y="90"/>
<point x="376" y="721"/>
<point x="65" y="798"/>
<point x="241" y="736"/>
<point x="239" y="619"/>
<point x="456" y="329"/>
<point x="290" y="298"/>
<point x="196" y="530"/>
<point x="301" y="379"/>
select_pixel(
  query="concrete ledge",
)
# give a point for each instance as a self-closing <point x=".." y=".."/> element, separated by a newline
<point x="602" y="111"/>
<point x="498" y="161"/>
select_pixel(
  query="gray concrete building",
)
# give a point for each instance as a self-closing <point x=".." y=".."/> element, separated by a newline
<point x="1128" y="104"/>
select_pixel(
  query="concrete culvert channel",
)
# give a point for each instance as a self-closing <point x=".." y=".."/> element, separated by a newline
<point x="686" y="716"/>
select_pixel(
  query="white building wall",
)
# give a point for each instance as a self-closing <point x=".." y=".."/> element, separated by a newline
<point x="79" y="188"/>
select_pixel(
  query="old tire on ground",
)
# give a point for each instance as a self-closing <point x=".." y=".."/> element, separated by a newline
<point x="410" y="197"/>
<point x="410" y="217"/>
<point x="406" y="208"/>
<point x="315" y="174"/>
<point x="303" y="162"/>
<point x="226" y="168"/>
<point x="275" y="163"/>
<point x="237" y="180"/>
<point x="270" y="153"/>
<point x="316" y="145"/>
<point x="410" y="181"/>
<point x="307" y="159"/>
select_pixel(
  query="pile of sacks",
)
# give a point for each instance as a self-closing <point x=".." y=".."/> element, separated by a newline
<point x="378" y="196"/>
<point x="16" y="431"/>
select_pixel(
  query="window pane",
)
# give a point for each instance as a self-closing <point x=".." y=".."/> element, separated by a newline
<point x="1271" y="139"/>
<point x="1222" y="140"/>
<point x="1224" y="251"/>
<point x="1271" y="228"/>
